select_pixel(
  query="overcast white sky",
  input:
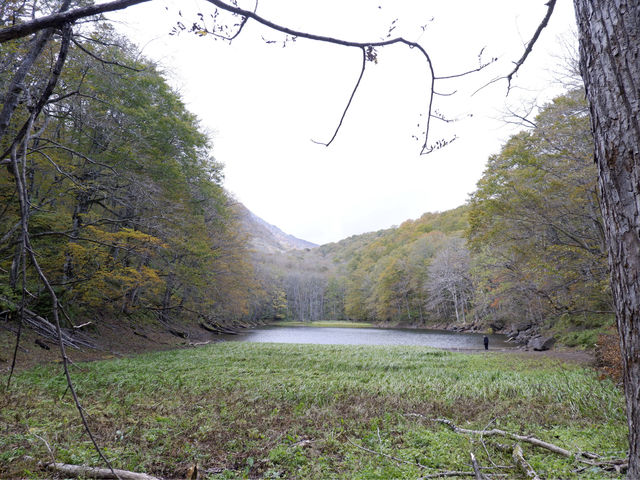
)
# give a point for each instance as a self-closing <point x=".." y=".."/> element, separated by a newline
<point x="264" y="104"/>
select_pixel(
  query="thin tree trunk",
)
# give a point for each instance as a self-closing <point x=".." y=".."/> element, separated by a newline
<point x="406" y="302"/>
<point x="609" y="33"/>
<point x="455" y="303"/>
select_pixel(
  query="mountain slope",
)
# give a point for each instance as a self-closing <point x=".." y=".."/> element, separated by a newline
<point x="268" y="238"/>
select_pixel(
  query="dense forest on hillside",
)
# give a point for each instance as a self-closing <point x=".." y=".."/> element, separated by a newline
<point x="126" y="211"/>
<point x="112" y="194"/>
<point x="527" y="251"/>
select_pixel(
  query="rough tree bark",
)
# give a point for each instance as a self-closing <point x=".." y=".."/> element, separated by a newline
<point x="609" y="33"/>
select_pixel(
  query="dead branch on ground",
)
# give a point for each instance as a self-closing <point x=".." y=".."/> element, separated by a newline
<point x="518" y="459"/>
<point x="443" y="474"/>
<point x="476" y="468"/>
<point x="93" y="472"/>
<point x="589" y="458"/>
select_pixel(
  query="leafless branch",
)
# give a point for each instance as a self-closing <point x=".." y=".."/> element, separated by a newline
<point x="59" y="98"/>
<point x="519" y="119"/>
<point x="545" y="21"/>
<point x="584" y="457"/>
<point x="71" y="151"/>
<point x="102" y="60"/>
<point x="48" y="90"/>
<point x="543" y="24"/>
<point x="46" y="444"/>
<point x="58" y="169"/>
<point x="56" y="20"/>
<point x="345" y="43"/>
<point x="355" y="89"/>
<point x="480" y="67"/>
<point x="24" y="218"/>
<point x="524" y="466"/>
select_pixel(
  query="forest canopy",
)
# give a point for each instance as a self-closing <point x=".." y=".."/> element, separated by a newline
<point x="126" y="208"/>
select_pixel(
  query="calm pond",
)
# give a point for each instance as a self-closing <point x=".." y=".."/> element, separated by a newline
<point x="372" y="336"/>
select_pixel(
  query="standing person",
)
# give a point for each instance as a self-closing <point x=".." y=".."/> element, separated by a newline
<point x="486" y="342"/>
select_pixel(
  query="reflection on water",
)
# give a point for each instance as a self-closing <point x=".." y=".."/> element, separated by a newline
<point x="372" y="336"/>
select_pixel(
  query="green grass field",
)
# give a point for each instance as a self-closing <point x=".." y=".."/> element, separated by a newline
<point x="249" y="410"/>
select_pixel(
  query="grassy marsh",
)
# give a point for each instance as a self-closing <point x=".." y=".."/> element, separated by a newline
<point x="250" y="410"/>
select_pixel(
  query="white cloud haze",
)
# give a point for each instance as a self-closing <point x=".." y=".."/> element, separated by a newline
<point x="264" y="104"/>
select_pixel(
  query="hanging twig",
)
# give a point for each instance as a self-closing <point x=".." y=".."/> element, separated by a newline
<point x="353" y="94"/>
<point x="543" y="24"/>
<point x="24" y="222"/>
<point x="545" y="21"/>
<point x="346" y="43"/>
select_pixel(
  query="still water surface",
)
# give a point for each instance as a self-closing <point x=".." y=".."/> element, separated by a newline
<point x="372" y="336"/>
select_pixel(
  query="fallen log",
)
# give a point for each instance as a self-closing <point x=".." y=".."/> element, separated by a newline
<point x="94" y="472"/>
<point x="46" y="329"/>
<point x="217" y="329"/>
<point x="209" y="328"/>
<point x="521" y="438"/>
<point x="617" y="464"/>
<point x="523" y="465"/>
<point x="477" y="474"/>
<point x="177" y="333"/>
<point x="228" y="331"/>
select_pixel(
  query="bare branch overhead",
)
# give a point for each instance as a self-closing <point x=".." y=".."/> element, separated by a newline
<point x="543" y="24"/>
<point x="58" y="19"/>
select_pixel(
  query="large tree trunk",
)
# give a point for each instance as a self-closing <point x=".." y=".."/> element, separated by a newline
<point x="609" y="33"/>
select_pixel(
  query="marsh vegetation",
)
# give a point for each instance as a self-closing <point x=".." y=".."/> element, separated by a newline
<point x="251" y="410"/>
